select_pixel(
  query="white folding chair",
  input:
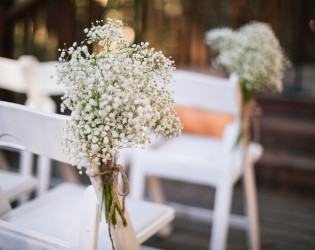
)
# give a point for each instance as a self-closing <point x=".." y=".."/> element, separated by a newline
<point x="13" y="184"/>
<point x="66" y="217"/>
<point x="38" y="81"/>
<point x="41" y="80"/>
<point x="215" y="161"/>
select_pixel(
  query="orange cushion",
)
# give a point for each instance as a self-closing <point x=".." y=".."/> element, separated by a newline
<point x="198" y="121"/>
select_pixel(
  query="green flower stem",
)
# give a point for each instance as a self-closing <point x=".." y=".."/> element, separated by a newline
<point x="107" y="200"/>
<point x="121" y="213"/>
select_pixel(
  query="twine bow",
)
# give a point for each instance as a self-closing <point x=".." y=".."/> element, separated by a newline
<point x="111" y="190"/>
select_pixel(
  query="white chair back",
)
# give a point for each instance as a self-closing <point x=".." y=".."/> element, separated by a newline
<point x="36" y="134"/>
<point x="47" y="74"/>
<point x="41" y="133"/>
<point x="210" y="93"/>
<point x="201" y="156"/>
<point x="12" y="78"/>
<point x="26" y="75"/>
<point x="206" y="92"/>
<point x="38" y="81"/>
<point x="11" y="75"/>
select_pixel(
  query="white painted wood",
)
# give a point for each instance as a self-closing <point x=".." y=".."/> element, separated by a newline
<point x="14" y="237"/>
<point x="15" y="185"/>
<point x="192" y="89"/>
<point x="221" y="214"/>
<point x="59" y="218"/>
<point x="11" y="75"/>
<point x="19" y="76"/>
<point x="26" y="159"/>
<point x="42" y="77"/>
<point x="38" y="81"/>
<point x="47" y="75"/>
<point x="26" y="169"/>
<point x="88" y="237"/>
<point x="215" y="162"/>
<point x="12" y="79"/>
<point x="43" y="174"/>
<point x="36" y="96"/>
<point x="63" y="207"/>
<point x="41" y="81"/>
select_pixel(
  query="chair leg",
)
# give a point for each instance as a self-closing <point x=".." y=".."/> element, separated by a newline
<point x="137" y="181"/>
<point x="43" y="168"/>
<point x="221" y="216"/>
<point x="26" y="163"/>
<point x="253" y="237"/>
<point x="89" y="221"/>
<point x="26" y="167"/>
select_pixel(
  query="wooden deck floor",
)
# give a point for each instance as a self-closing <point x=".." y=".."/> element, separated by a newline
<point x="287" y="221"/>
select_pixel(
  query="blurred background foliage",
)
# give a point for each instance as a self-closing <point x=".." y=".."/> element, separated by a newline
<point x="177" y="27"/>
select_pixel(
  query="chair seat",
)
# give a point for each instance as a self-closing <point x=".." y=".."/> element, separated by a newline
<point x="14" y="185"/>
<point x="177" y="158"/>
<point x="61" y="208"/>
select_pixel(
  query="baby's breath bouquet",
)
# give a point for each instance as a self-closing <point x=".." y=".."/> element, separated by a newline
<point x="118" y="96"/>
<point x="254" y="53"/>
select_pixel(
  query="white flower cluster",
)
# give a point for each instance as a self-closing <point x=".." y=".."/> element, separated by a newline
<point x="117" y="94"/>
<point x="254" y="53"/>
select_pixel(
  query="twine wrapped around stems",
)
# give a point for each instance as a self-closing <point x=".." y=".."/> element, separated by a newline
<point x="109" y="175"/>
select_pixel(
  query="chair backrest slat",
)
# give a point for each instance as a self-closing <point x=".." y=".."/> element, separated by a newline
<point x="33" y="130"/>
<point x="47" y="73"/>
<point x="207" y="92"/>
<point x="11" y="75"/>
